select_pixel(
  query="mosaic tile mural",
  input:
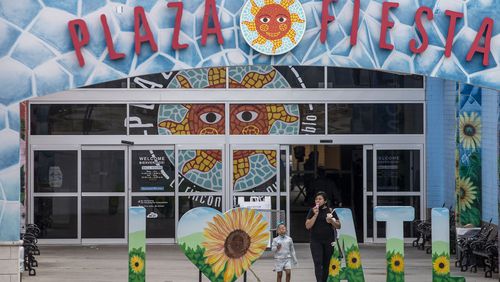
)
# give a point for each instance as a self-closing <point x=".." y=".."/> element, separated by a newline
<point x="201" y="168"/>
<point x="254" y="170"/>
<point x="37" y="56"/>
<point x="468" y="153"/>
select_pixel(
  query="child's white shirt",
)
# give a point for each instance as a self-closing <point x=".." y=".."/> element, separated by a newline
<point x="287" y="250"/>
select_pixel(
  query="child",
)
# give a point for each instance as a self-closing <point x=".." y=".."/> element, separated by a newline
<point x="284" y="254"/>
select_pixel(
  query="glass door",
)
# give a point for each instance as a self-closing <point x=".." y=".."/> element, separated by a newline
<point x="258" y="179"/>
<point x="368" y="193"/>
<point x="200" y="174"/>
<point x="103" y="194"/>
<point x="398" y="180"/>
<point x="55" y="193"/>
<point x="152" y="186"/>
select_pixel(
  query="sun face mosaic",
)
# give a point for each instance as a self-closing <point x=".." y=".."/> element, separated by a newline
<point x="273" y="27"/>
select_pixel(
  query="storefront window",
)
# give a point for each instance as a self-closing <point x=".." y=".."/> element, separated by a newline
<point x="177" y="119"/>
<point x="103" y="217"/>
<point x="55" y="171"/>
<point x="187" y="203"/>
<point x="255" y="171"/>
<point x="78" y="119"/>
<point x="57" y="217"/>
<point x="398" y="170"/>
<point x="277" y="119"/>
<point x="200" y="170"/>
<point x="360" y="78"/>
<point x="103" y="171"/>
<point x="153" y="171"/>
<point x="160" y="215"/>
<point x="375" y="119"/>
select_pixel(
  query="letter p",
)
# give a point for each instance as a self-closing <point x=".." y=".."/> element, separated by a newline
<point x="77" y="42"/>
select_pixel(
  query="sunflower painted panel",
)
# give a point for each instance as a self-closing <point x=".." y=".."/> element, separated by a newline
<point x="277" y="119"/>
<point x="353" y="269"/>
<point x="223" y="246"/>
<point x="177" y="119"/>
<point x="469" y="159"/>
<point x="255" y="170"/>
<point x="199" y="170"/>
<point x="441" y="246"/>
<point x="137" y="244"/>
<point x="394" y="218"/>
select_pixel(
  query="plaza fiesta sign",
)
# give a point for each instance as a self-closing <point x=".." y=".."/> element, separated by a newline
<point x="275" y="27"/>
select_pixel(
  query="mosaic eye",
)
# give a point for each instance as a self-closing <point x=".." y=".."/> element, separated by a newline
<point x="281" y="19"/>
<point x="247" y="116"/>
<point x="211" y="117"/>
<point x="265" y="19"/>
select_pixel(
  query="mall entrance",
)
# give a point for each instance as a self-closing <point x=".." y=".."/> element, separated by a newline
<point x="213" y="138"/>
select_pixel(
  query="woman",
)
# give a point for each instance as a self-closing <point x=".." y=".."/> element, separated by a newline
<point x="322" y="222"/>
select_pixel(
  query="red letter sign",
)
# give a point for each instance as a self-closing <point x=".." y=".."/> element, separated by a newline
<point x="386" y="24"/>
<point x="113" y="55"/>
<point x="486" y="26"/>
<point x="325" y="19"/>
<point x="77" y="43"/>
<point x="421" y="29"/>
<point x="140" y="17"/>
<point x="355" y="22"/>
<point x="210" y="6"/>
<point x="451" y="31"/>
<point x="177" y="28"/>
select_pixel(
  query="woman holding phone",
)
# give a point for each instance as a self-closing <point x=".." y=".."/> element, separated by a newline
<point x="322" y="222"/>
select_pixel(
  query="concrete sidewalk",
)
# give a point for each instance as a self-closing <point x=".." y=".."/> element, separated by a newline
<point x="168" y="264"/>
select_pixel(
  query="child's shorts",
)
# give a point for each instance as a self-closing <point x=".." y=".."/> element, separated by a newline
<point x="282" y="264"/>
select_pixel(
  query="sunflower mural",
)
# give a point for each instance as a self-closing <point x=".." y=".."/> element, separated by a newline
<point x="469" y="136"/>
<point x="273" y="27"/>
<point x="223" y="246"/>
<point x="353" y="269"/>
<point x="441" y="246"/>
<point x="137" y="244"/>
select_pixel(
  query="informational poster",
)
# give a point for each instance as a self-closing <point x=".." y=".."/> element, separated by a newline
<point x="152" y="171"/>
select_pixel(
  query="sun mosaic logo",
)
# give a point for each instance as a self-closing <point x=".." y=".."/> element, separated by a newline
<point x="273" y="27"/>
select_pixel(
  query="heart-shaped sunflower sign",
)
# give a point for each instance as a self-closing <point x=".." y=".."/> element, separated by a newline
<point x="223" y="246"/>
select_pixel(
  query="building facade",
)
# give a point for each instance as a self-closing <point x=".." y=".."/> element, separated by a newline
<point x="192" y="103"/>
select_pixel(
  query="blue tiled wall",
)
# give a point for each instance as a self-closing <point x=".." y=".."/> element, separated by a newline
<point x="490" y="158"/>
<point x="440" y="148"/>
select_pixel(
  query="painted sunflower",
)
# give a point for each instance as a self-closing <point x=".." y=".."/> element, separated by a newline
<point x="466" y="192"/>
<point x="397" y="263"/>
<point x="354" y="260"/>
<point x="136" y="264"/>
<point x="234" y="241"/>
<point x="470" y="130"/>
<point x="441" y="265"/>
<point x="334" y="269"/>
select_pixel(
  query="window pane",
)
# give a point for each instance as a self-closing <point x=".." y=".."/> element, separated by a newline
<point x="55" y="171"/>
<point x="277" y="119"/>
<point x="177" y="119"/>
<point x="190" y="202"/>
<point x="254" y="171"/>
<point x="78" y="119"/>
<point x="57" y="217"/>
<point x="160" y="211"/>
<point x="200" y="170"/>
<point x="359" y="78"/>
<point x="398" y="170"/>
<point x="103" y="171"/>
<point x="410" y="201"/>
<point x="103" y="217"/>
<point x="153" y="171"/>
<point x="369" y="170"/>
<point x="375" y="119"/>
